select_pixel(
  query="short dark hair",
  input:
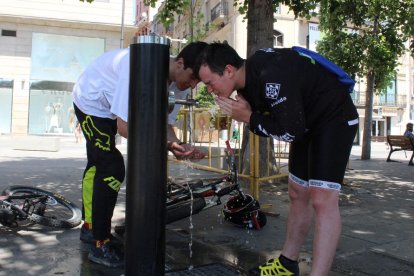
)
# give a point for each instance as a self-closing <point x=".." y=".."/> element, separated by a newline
<point x="216" y="56"/>
<point x="190" y="52"/>
<point x="409" y="125"/>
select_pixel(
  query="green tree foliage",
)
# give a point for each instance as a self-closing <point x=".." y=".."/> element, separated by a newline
<point x="205" y="99"/>
<point x="366" y="38"/>
<point x="299" y="7"/>
<point x="166" y="15"/>
<point x="374" y="42"/>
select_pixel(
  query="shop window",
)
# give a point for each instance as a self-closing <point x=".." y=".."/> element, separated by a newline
<point x="57" y="62"/>
<point x="6" y="99"/>
<point x="51" y="108"/>
<point x="62" y="58"/>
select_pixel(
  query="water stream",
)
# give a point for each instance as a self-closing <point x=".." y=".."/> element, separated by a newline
<point x="191" y="227"/>
<point x="190" y="218"/>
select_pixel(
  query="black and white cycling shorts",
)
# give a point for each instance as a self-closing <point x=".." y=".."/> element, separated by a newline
<point x="320" y="158"/>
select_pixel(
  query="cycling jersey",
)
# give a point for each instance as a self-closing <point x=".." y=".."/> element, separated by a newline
<point x="291" y="94"/>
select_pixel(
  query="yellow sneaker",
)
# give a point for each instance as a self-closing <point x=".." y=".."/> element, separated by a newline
<point x="274" y="267"/>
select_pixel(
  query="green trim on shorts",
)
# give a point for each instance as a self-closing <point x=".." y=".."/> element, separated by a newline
<point x="87" y="190"/>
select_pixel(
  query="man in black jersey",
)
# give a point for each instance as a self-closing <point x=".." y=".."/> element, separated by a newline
<point x="291" y="97"/>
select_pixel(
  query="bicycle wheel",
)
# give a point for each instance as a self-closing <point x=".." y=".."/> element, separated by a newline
<point x="175" y="211"/>
<point x="183" y="209"/>
<point x="56" y="212"/>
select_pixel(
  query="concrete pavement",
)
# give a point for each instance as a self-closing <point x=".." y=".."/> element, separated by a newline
<point x="377" y="206"/>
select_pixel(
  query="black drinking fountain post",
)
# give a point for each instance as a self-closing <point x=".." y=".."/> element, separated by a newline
<point x="147" y="156"/>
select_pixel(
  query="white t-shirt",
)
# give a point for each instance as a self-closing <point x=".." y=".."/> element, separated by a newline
<point x="179" y="95"/>
<point x="103" y="88"/>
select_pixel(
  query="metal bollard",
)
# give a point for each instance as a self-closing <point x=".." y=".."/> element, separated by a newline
<point x="147" y="156"/>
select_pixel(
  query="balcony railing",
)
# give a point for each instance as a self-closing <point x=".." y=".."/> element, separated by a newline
<point x="359" y="99"/>
<point x="221" y="10"/>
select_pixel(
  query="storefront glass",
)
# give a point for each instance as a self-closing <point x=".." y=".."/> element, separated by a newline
<point x="57" y="62"/>
<point x="6" y="99"/>
<point x="51" y="107"/>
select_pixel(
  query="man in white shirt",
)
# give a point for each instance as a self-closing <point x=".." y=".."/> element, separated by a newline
<point x="101" y="106"/>
<point x="172" y="117"/>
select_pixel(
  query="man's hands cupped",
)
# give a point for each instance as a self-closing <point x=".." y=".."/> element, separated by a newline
<point x="185" y="151"/>
<point x="239" y="109"/>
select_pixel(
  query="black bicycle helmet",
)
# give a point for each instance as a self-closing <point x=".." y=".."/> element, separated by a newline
<point x="244" y="211"/>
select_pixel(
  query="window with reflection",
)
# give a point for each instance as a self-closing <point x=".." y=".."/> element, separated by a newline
<point x="56" y="64"/>
<point x="6" y="100"/>
<point x="51" y="108"/>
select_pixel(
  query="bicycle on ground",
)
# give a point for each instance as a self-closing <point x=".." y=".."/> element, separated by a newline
<point x="19" y="203"/>
<point x="192" y="197"/>
<point x="189" y="197"/>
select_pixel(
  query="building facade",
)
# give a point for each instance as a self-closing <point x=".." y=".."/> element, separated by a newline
<point x="44" y="47"/>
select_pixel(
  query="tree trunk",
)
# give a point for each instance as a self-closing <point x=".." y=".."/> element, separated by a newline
<point x="259" y="35"/>
<point x="260" y="25"/>
<point x="366" y="137"/>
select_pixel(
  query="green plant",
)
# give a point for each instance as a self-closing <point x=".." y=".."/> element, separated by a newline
<point x="204" y="98"/>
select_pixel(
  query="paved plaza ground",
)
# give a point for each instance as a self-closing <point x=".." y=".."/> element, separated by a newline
<point x="377" y="206"/>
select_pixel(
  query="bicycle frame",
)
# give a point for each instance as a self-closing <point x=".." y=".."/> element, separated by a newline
<point x="39" y="206"/>
<point x="21" y="212"/>
<point x="213" y="188"/>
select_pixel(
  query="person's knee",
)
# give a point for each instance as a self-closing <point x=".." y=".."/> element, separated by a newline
<point x="298" y="192"/>
<point x="324" y="200"/>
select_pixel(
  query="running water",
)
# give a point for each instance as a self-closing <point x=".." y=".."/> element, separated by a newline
<point x="191" y="227"/>
<point x="188" y="166"/>
<point x="184" y="173"/>
<point x="190" y="125"/>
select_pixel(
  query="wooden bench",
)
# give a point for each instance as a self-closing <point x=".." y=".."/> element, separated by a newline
<point x="400" y="142"/>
